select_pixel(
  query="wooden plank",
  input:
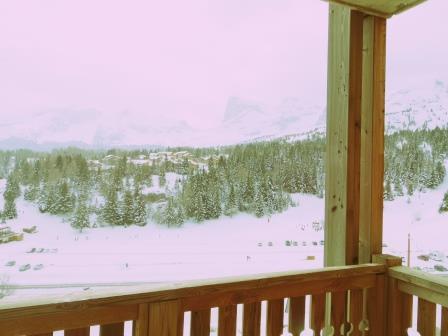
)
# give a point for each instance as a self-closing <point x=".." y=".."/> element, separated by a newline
<point x="424" y="293"/>
<point x="356" y="306"/>
<point x="317" y="316"/>
<point x="381" y="8"/>
<point x="354" y="139"/>
<point x="444" y="323"/>
<point x="277" y="292"/>
<point x="200" y="323"/>
<point x="114" y="329"/>
<point x="118" y="298"/>
<point x="296" y="315"/>
<point x="434" y="283"/>
<point x="372" y="137"/>
<point x="274" y="323"/>
<point x="45" y="334"/>
<point x="337" y="120"/>
<point x="62" y="320"/>
<point x="227" y="321"/>
<point x="376" y="305"/>
<point x="78" y="332"/>
<point x="338" y="311"/>
<point x="426" y="320"/>
<point x="165" y="318"/>
<point x="111" y="307"/>
<point x="140" y="326"/>
<point x="343" y="136"/>
<point x="251" y="319"/>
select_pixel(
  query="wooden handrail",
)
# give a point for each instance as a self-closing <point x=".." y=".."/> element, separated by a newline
<point x="431" y="290"/>
<point x="162" y="306"/>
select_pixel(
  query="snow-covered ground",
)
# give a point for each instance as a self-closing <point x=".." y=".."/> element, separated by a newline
<point x="229" y="246"/>
<point x="153" y="253"/>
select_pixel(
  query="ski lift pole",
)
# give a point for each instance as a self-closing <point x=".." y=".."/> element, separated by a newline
<point x="409" y="250"/>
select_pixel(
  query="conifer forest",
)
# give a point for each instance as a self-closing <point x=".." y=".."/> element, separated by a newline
<point x="169" y="186"/>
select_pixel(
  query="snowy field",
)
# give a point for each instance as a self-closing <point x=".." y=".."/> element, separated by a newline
<point x="154" y="253"/>
<point x="61" y="258"/>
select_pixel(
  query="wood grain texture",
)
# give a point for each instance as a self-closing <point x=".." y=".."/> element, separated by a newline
<point x="421" y="279"/>
<point x="227" y="321"/>
<point x="200" y="323"/>
<point x="61" y="319"/>
<point x="78" y="332"/>
<point x="356" y="301"/>
<point x="377" y="309"/>
<point x="165" y="319"/>
<point x="251" y="319"/>
<point x="114" y="329"/>
<point x="338" y="311"/>
<point x="296" y="315"/>
<point x="193" y="295"/>
<point x="426" y="320"/>
<point x="380" y="8"/>
<point x="372" y="137"/>
<point x="444" y="322"/>
<point x="317" y="315"/>
<point x="140" y="326"/>
<point x="354" y="138"/>
<point x="274" y="323"/>
<point x="277" y="292"/>
<point x="337" y="147"/>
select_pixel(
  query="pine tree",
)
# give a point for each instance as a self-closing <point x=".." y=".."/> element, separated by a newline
<point x="140" y="212"/>
<point x="127" y="209"/>
<point x="64" y="200"/>
<point x="388" y="196"/>
<point x="109" y="212"/>
<point x="80" y="220"/>
<point x="10" y="210"/>
<point x="444" y="205"/>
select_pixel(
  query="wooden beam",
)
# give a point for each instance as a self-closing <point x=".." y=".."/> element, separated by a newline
<point x="380" y="8"/>
<point x="372" y="138"/>
<point x="343" y="136"/>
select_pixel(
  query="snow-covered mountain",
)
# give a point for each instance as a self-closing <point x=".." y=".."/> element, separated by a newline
<point x="418" y="106"/>
<point x="424" y="105"/>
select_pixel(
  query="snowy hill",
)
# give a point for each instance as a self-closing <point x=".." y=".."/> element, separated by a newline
<point x="410" y="107"/>
<point x="417" y="107"/>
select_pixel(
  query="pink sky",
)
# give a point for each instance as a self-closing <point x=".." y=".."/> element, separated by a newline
<point x="183" y="59"/>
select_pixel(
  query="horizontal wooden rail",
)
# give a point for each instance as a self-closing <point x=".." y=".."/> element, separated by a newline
<point x="159" y="309"/>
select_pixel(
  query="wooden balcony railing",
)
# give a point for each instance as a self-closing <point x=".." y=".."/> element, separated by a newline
<point x="356" y="290"/>
<point x="370" y="299"/>
<point x="429" y="290"/>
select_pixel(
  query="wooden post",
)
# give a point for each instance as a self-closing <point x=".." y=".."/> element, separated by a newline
<point x="397" y="312"/>
<point x="372" y="138"/>
<point x="343" y="136"/>
<point x="355" y="137"/>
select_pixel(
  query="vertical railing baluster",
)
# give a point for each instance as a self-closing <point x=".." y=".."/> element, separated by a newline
<point x="114" y="329"/>
<point x="426" y="320"/>
<point x="444" y="323"/>
<point x="251" y="319"/>
<point x="227" y="321"/>
<point x="296" y="315"/>
<point x="338" y="311"/>
<point x="356" y="305"/>
<point x="200" y="323"/>
<point x="317" y="312"/>
<point x="274" y="323"/>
